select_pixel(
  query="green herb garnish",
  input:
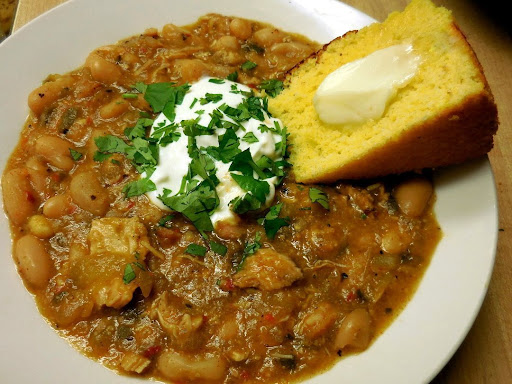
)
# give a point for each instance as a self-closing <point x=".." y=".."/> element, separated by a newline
<point x="319" y="196"/>
<point x="250" y="138"/>
<point x="218" y="248"/>
<point x="233" y="76"/>
<point x="75" y="155"/>
<point x="129" y="274"/>
<point x="248" y="65"/>
<point x="272" y="87"/>
<point x="272" y="222"/>
<point x="163" y="222"/>
<point x="139" y="187"/>
<point x="196" y="250"/>
<point x="250" y="249"/>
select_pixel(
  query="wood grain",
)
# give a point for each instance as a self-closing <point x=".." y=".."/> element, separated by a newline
<point x="485" y="356"/>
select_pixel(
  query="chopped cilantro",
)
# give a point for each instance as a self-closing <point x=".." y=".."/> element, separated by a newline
<point x="196" y="250"/>
<point x="272" y="87"/>
<point x="139" y="129"/>
<point x="210" y="98"/>
<point x="100" y="157"/>
<point x="218" y="248"/>
<point x="272" y="222"/>
<point x="248" y="65"/>
<point x="140" y="86"/>
<point x="244" y="164"/>
<point x="163" y="222"/>
<point x="250" y="249"/>
<point x="216" y="81"/>
<point x="110" y="144"/>
<point x="245" y="203"/>
<point x="196" y="205"/>
<point x="319" y="196"/>
<point x="228" y="147"/>
<point x="163" y="97"/>
<point x="139" y="187"/>
<point x="250" y="138"/>
<point x="75" y="155"/>
<point x="233" y="76"/>
<point x="129" y="274"/>
<point x="129" y="96"/>
<point x="258" y="188"/>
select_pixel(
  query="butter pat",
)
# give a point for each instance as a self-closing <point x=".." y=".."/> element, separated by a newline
<point x="360" y="90"/>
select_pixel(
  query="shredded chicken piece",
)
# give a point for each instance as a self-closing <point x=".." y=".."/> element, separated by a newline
<point x="317" y="322"/>
<point x="267" y="270"/>
<point x="115" y="267"/>
<point x="173" y="321"/>
<point x="134" y="363"/>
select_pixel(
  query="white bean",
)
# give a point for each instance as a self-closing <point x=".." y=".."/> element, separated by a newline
<point x="42" y="97"/>
<point x="56" y="151"/>
<point x="102" y="70"/>
<point x="88" y="193"/>
<point x="19" y="198"/>
<point x="412" y="196"/>
<point x="34" y="262"/>
<point x="240" y="28"/>
<point x="354" y="330"/>
<point x="177" y="367"/>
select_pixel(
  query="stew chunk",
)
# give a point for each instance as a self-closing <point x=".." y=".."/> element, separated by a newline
<point x="115" y="267"/>
<point x="267" y="270"/>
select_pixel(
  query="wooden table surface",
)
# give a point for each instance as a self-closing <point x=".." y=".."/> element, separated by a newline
<point x="485" y="356"/>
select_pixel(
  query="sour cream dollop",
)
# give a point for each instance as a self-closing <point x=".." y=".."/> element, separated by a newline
<point x="208" y="99"/>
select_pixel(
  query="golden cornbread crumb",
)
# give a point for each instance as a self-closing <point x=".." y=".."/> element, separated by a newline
<point x="445" y="115"/>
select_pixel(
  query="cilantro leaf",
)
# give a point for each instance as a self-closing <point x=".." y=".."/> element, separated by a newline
<point x="244" y="164"/>
<point x="75" y="155"/>
<point x="140" y="86"/>
<point x="99" y="157"/>
<point x="248" y="65"/>
<point x="163" y="97"/>
<point x="139" y="129"/>
<point x="196" y="250"/>
<point x="210" y="98"/>
<point x="250" y="138"/>
<point x="196" y="205"/>
<point x="272" y="222"/>
<point x="259" y="189"/>
<point x="250" y="249"/>
<point x="129" y="274"/>
<point x="139" y="187"/>
<point x="244" y="204"/>
<point x="318" y="196"/>
<point x="228" y="147"/>
<point x="272" y="87"/>
<point x="233" y="76"/>
<point x="111" y="144"/>
<point x="218" y="248"/>
<point x="164" y="220"/>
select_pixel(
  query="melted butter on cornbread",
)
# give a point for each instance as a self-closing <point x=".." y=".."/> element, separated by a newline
<point x="361" y="90"/>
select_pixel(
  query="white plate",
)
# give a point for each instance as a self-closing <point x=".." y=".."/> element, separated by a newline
<point x="416" y="346"/>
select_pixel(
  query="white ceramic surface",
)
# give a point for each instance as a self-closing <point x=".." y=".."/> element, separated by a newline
<point x="412" y="350"/>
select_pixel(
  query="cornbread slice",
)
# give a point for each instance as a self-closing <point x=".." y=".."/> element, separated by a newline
<point x="445" y="115"/>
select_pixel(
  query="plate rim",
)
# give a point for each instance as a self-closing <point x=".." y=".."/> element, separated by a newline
<point x="55" y="13"/>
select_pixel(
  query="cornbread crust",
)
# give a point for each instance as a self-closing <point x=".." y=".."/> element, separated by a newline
<point x="446" y="115"/>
